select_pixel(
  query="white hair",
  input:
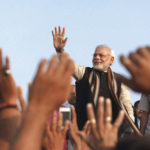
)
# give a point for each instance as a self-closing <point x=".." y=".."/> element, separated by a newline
<point x="112" y="53"/>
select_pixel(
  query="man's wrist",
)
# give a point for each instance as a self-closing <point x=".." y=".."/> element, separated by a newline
<point x="39" y="109"/>
<point x="59" y="50"/>
<point x="9" y="112"/>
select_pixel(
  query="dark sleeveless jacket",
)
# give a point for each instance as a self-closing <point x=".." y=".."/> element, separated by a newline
<point x="84" y="94"/>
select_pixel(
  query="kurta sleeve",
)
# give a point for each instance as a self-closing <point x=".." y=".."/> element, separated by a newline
<point x="125" y="99"/>
<point x="79" y="71"/>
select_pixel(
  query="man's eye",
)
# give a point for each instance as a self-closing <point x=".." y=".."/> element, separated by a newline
<point x="100" y="55"/>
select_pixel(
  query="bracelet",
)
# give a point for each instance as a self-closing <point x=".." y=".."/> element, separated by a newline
<point x="8" y="105"/>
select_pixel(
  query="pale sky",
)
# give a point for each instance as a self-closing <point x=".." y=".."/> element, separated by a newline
<point x="25" y="31"/>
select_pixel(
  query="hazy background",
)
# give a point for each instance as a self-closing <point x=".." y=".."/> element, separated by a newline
<point x="25" y="31"/>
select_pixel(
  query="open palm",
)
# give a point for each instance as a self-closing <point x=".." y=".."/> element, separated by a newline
<point x="58" y="39"/>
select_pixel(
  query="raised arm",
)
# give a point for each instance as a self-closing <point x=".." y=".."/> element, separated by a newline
<point x="47" y="92"/>
<point x="9" y="112"/>
<point x="59" y="42"/>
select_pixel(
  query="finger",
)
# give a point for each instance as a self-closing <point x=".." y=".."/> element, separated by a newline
<point x="143" y="51"/>
<point x="29" y="90"/>
<point x="148" y="48"/>
<point x="21" y="99"/>
<point x="29" y="86"/>
<point x="87" y="139"/>
<point x="100" y="115"/>
<point x="59" y="124"/>
<point x="52" y="65"/>
<point x="7" y="63"/>
<point x="63" y="32"/>
<point x="91" y="117"/>
<point x="74" y="117"/>
<point x="40" y="68"/>
<point x="55" y="30"/>
<point x="83" y="136"/>
<point x="108" y="114"/>
<point x="90" y="111"/>
<point x="119" y="120"/>
<point x="136" y="59"/>
<point x="86" y="127"/>
<point x="59" y="33"/>
<point x="65" y="40"/>
<point x="54" y="122"/>
<point x="53" y="34"/>
<point x="129" y="65"/>
<point x="1" y="60"/>
<point x="72" y="131"/>
<point x="66" y="127"/>
<point x="47" y="128"/>
<point x="89" y="129"/>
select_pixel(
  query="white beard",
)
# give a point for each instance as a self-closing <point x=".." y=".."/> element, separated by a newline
<point x="99" y="67"/>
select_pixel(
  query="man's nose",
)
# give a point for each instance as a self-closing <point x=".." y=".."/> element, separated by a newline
<point x="97" y="57"/>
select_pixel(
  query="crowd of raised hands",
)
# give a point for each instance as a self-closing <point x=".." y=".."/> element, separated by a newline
<point x="28" y="128"/>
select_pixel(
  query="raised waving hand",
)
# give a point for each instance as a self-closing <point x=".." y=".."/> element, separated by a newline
<point x="59" y="40"/>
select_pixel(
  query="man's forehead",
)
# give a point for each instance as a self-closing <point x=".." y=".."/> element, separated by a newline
<point x="103" y="50"/>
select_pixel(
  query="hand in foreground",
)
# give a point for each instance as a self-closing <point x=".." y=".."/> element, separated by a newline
<point x="58" y="39"/>
<point x="138" y="65"/>
<point x="21" y="99"/>
<point x="77" y="141"/>
<point x="104" y="133"/>
<point x="51" y="85"/>
<point x="55" y="135"/>
<point x="8" y="89"/>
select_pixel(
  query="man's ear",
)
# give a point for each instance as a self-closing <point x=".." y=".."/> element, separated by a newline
<point x="112" y="60"/>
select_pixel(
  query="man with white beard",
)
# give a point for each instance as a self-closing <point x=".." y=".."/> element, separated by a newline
<point x="91" y="83"/>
